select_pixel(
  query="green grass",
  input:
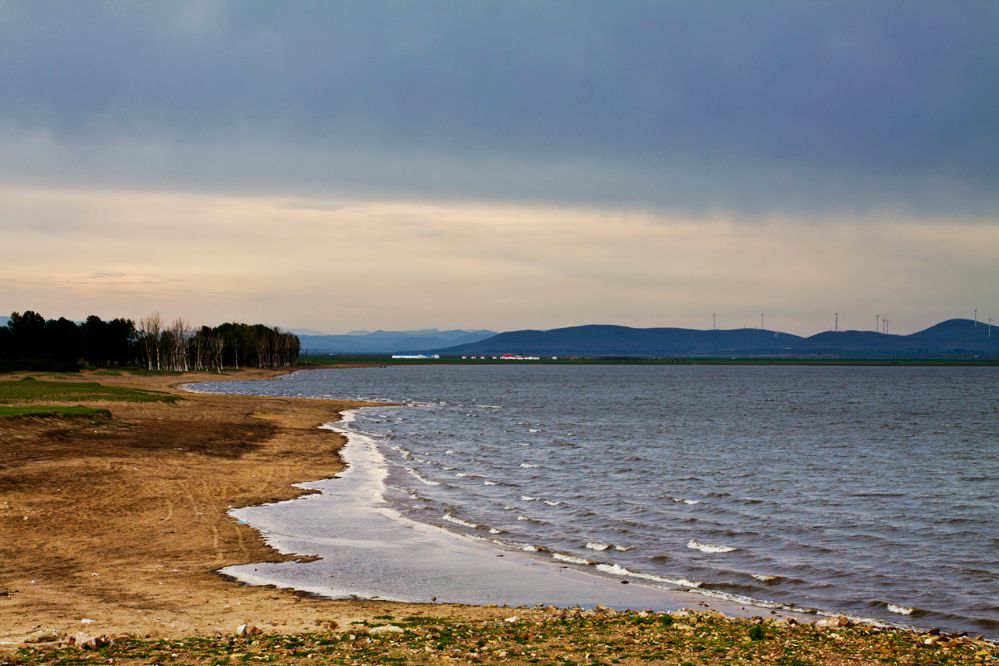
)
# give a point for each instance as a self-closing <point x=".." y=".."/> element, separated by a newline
<point x="32" y="390"/>
<point x="56" y="411"/>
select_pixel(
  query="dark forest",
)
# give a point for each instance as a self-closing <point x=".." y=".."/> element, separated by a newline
<point x="31" y="342"/>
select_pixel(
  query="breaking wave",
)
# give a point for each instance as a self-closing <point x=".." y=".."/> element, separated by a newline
<point x="709" y="548"/>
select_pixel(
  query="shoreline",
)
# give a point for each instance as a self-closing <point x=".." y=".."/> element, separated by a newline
<point x="671" y="596"/>
<point x="102" y="549"/>
<point x="121" y="528"/>
<point x="519" y="579"/>
<point x="733" y="604"/>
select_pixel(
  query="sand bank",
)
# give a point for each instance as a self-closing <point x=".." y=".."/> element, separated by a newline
<point x="124" y="524"/>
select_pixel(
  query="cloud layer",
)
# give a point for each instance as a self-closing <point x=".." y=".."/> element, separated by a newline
<point x="338" y="265"/>
<point x="748" y="107"/>
<point x="501" y="163"/>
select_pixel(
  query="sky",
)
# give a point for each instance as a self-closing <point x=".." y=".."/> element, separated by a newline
<point x="518" y="164"/>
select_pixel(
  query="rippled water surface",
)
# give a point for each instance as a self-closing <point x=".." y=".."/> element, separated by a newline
<point x="865" y="490"/>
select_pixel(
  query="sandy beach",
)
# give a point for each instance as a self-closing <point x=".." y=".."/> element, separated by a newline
<point x="125" y="524"/>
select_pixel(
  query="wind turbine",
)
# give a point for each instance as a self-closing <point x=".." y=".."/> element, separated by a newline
<point x="836" y="322"/>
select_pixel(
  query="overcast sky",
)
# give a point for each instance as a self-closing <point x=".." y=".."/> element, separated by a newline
<point x="348" y="165"/>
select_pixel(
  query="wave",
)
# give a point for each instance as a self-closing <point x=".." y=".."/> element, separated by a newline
<point x="571" y="559"/>
<point x="900" y="610"/>
<point x="458" y="521"/>
<point x="404" y="452"/>
<point x="708" y="548"/>
<point x="618" y="570"/>
<point x="766" y="603"/>
<point x="416" y="475"/>
<point x="599" y="545"/>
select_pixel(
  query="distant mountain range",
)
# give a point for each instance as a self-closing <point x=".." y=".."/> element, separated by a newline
<point x="951" y="338"/>
<point x="954" y="338"/>
<point x="388" y="342"/>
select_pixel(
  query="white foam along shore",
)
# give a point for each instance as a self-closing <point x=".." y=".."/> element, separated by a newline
<point x="369" y="550"/>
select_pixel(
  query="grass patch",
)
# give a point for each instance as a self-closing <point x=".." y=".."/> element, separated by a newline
<point x="32" y="390"/>
<point x="56" y="411"/>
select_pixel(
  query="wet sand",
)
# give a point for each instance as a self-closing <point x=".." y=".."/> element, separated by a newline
<point x="369" y="550"/>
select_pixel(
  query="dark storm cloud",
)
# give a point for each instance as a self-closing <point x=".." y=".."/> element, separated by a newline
<point x="754" y="106"/>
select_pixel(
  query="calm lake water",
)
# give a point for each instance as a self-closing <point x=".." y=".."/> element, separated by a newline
<point x="869" y="491"/>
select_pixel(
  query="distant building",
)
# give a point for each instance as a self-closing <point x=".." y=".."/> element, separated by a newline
<point x="417" y="357"/>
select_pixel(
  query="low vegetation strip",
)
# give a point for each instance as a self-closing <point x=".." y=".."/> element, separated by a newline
<point x="555" y="636"/>
<point x="32" y="390"/>
<point x="55" y="411"/>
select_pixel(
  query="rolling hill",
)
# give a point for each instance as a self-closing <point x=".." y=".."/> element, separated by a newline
<point x="952" y="338"/>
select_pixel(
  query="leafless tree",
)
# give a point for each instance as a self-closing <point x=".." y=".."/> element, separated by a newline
<point x="180" y="334"/>
<point x="199" y="344"/>
<point x="261" y="345"/>
<point x="151" y="327"/>
<point x="217" y="344"/>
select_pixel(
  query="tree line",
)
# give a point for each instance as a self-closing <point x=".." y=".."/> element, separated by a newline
<point x="31" y="342"/>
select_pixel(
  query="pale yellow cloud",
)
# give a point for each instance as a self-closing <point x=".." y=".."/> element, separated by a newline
<point x="338" y="264"/>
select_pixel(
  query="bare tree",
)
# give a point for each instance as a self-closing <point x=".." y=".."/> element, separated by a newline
<point x="217" y="344"/>
<point x="151" y="327"/>
<point x="199" y="351"/>
<point x="180" y="334"/>
<point x="261" y="344"/>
